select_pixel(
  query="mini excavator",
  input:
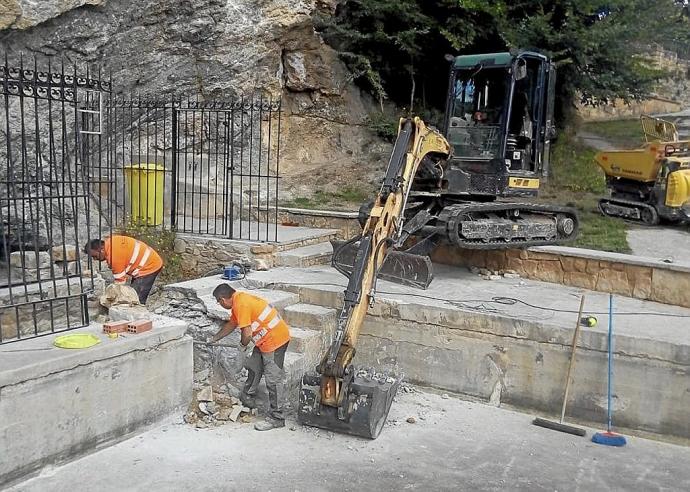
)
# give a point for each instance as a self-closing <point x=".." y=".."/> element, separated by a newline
<point x="441" y="188"/>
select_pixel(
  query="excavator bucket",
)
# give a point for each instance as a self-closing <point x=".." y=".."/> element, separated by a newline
<point x="362" y="412"/>
<point x="400" y="267"/>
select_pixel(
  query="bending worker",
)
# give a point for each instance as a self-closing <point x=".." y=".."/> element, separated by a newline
<point x="128" y="256"/>
<point x="259" y="322"/>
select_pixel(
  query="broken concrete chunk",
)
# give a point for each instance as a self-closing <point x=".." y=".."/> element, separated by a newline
<point x="224" y="414"/>
<point x="235" y="412"/>
<point x="191" y="418"/>
<point x="494" y="277"/>
<point x="260" y="265"/>
<point x="411" y="420"/>
<point x="245" y="419"/>
<point x="201" y="425"/>
<point x="205" y="394"/>
<point x="203" y="408"/>
<point x="30" y="259"/>
<point x="123" y="312"/>
<point x="484" y="271"/>
<point x="511" y="275"/>
<point x="116" y="294"/>
<point x="211" y="407"/>
<point x="474" y="270"/>
<point x="202" y="375"/>
<point x="66" y="253"/>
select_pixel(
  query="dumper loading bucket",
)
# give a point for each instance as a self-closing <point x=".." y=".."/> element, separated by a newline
<point x="363" y="411"/>
<point x="144" y="184"/>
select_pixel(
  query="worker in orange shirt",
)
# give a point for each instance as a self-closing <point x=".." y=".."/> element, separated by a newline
<point x="127" y="256"/>
<point x="259" y="322"/>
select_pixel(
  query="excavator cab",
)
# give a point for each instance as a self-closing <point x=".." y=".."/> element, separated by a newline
<point x="499" y="122"/>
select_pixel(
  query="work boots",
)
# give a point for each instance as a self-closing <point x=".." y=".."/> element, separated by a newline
<point x="269" y="423"/>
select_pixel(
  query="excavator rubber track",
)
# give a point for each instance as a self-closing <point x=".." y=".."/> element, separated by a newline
<point x="506" y="225"/>
<point x="629" y="210"/>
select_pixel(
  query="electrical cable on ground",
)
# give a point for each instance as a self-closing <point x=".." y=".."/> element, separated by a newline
<point x="503" y="300"/>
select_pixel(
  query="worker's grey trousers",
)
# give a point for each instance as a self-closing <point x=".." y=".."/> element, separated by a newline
<point x="271" y="365"/>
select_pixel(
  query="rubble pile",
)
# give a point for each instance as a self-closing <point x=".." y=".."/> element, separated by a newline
<point x="212" y="407"/>
<point x="487" y="274"/>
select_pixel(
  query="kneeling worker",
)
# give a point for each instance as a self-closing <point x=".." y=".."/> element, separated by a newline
<point x="128" y="256"/>
<point x="261" y="323"/>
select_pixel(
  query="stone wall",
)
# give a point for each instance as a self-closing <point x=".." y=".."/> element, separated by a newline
<point x="345" y="223"/>
<point x="620" y="110"/>
<point x="588" y="269"/>
<point x="204" y="254"/>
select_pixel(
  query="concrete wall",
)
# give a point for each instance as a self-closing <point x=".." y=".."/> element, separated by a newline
<point x="522" y="362"/>
<point x="56" y="404"/>
<point x="626" y="275"/>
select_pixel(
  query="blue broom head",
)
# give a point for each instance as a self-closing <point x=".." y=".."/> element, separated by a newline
<point x="608" y="439"/>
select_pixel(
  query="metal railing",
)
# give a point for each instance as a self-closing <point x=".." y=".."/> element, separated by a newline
<point x="44" y="199"/>
<point x="198" y="167"/>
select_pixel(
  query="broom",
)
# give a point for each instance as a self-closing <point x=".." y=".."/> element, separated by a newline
<point x="609" y="438"/>
<point x="560" y="426"/>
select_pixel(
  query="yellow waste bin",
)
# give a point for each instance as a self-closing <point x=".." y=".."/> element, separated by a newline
<point x="144" y="183"/>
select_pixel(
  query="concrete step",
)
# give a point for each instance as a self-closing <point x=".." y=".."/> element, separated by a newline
<point x="305" y="341"/>
<point x="279" y="299"/>
<point x="303" y="237"/>
<point x="306" y="256"/>
<point x="311" y="316"/>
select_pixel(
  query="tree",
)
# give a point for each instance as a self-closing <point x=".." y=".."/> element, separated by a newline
<point x="396" y="46"/>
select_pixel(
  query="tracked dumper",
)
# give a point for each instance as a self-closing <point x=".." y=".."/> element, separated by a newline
<point x="466" y="186"/>
<point x="652" y="182"/>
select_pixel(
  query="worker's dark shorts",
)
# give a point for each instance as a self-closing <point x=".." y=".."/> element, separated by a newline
<point x="143" y="285"/>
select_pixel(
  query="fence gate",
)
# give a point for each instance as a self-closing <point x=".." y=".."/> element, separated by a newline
<point x="44" y="198"/>
<point x="204" y="168"/>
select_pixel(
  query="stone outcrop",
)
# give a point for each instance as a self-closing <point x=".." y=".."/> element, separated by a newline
<point x="216" y="49"/>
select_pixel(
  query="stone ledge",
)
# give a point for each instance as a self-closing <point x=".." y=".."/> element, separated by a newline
<point x="38" y="357"/>
<point x="612" y="257"/>
<point x="320" y="213"/>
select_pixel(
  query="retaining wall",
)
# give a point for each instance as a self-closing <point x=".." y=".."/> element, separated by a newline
<point x="57" y="404"/>
<point x="627" y="275"/>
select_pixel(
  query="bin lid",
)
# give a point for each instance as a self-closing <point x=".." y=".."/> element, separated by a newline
<point x="145" y="166"/>
<point x="76" y="341"/>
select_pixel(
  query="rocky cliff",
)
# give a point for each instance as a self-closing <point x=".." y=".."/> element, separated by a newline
<point x="217" y="49"/>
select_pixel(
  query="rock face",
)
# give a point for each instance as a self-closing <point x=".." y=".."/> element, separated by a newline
<point x="217" y="49"/>
<point x="22" y="14"/>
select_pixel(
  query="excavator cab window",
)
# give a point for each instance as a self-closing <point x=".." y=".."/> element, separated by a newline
<point x="476" y="116"/>
<point x="521" y="139"/>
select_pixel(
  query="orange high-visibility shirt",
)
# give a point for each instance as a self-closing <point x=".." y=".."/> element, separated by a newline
<point x="269" y="331"/>
<point x="128" y="256"/>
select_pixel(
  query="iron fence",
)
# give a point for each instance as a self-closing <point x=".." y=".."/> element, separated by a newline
<point x="44" y="199"/>
<point x="78" y="163"/>
<point x="198" y="167"/>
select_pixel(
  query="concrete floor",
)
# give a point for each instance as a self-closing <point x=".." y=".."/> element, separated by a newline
<point x="661" y="242"/>
<point x="476" y="294"/>
<point x="454" y="445"/>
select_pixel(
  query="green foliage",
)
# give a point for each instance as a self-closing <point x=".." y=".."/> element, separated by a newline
<point x="573" y="167"/>
<point x="163" y="241"/>
<point x="347" y="198"/>
<point x="602" y="233"/>
<point x="396" y="48"/>
<point x="383" y="125"/>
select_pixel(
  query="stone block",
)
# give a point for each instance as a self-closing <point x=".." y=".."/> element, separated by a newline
<point x="259" y="249"/>
<point x="124" y="312"/>
<point x="115" y="294"/>
<point x="613" y="281"/>
<point x="671" y="287"/>
<point x="592" y="267"/>
<point x="580" y="265"/>
<point x="580" y="279"/>
<point x="66" y="253"/>
<point x="30" y="259"/>
<point x="180" y="246"/>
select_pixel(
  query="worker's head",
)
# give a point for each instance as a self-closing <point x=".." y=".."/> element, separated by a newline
<point x="95" y="248"/>
<point x="223" y="294"/>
